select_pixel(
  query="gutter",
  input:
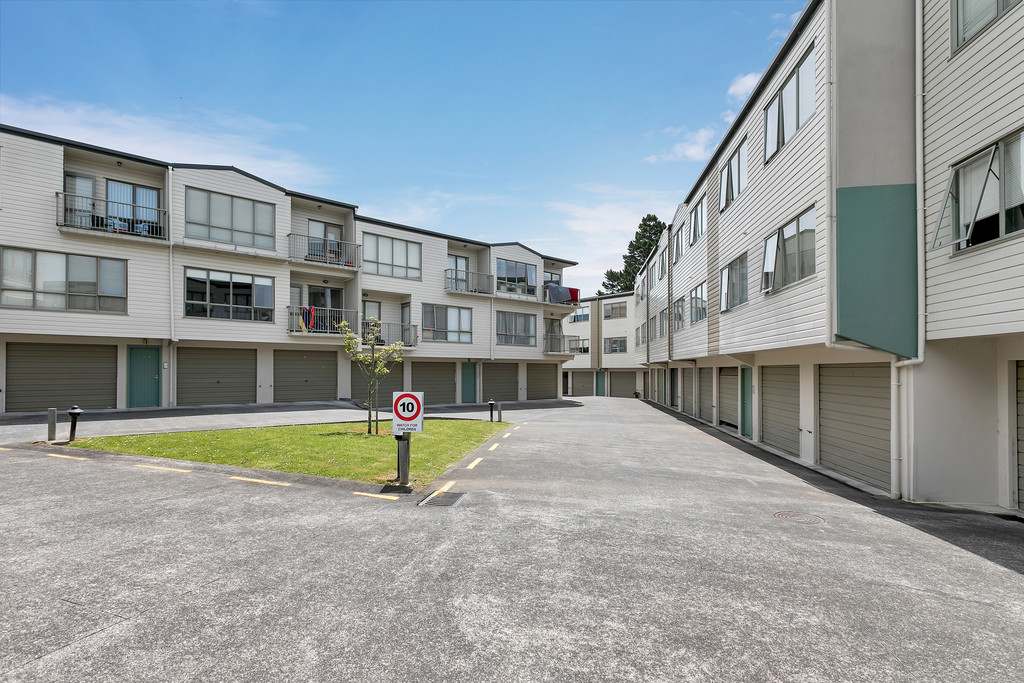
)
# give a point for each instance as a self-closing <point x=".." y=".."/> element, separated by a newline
<point x="172" y="385"/>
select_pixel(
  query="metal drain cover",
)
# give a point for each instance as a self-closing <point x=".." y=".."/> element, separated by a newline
<point x="799" y="518"/>
<point x="443" y="499"/>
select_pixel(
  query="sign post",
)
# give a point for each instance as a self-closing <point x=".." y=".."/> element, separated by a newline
<point x="407" y="412"/>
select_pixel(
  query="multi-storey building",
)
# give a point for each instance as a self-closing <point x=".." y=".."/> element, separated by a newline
<point x="793" y="277"/>
<point x="606" y="361"/>
<point x="129" y="282"/>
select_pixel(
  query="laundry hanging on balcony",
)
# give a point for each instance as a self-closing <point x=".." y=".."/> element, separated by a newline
<point x="306" y="318"/>
<point x="558" y="294"/>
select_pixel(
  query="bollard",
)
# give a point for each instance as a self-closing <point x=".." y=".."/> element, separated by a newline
<point x="499" y="412"/>
<point x="51" y="424"/>
<point x="404" y="442"/>
<point x="74" y="413"/>
<point x="491" y="404"/>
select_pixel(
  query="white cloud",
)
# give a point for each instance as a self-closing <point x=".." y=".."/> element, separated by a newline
<point x="742" y="86"/>
<point x="728" y="116"/>
<point x="794" y="16"/>
<point x="696" y="146"/>
<point x="426" y="208"/>
<point x="201" y="137"/>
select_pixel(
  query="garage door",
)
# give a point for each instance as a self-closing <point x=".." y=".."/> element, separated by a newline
<point x="780" y="407"/>
<point x="688" y="391"/>
<point x="305" y="375"/>
<point x="436" y="381"/>
<point x="706" y="377"/>
<point x="1020" y="434"/>
<point x="392" y="382"/>
<point x="623" y="383"/>
<point x="728" y="397"/>
<point x="541" y="380"/>
<point x="41" y="376"/>
<point x="853" y="430"/>
<point x="215" y="376"/>
<point x="501" y="381"/>
<point x="583" y="383"/>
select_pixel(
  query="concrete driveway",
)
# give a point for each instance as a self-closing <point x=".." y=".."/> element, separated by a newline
<point x="602" y="541"/>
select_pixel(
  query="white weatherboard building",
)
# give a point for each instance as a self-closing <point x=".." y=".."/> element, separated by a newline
<point x="844" y="284"/>
<point x="606" y="361"/>
<point x="128" y="282"/>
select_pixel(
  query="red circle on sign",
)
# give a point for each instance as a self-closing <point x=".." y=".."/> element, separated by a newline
<point x="407" y="416"/>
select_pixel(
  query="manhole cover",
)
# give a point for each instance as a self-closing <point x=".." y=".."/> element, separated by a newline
<point x="799" y="518"/>
<point x="443" y="499"/>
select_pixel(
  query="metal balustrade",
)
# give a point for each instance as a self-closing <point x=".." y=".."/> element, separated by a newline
<point x="319" y="320"/>
<point x="89" y="213"/>
<point x="325" y="250"/>
<point x="561" y="343"/>
<point x="390" y="333"/>
<point x="468" y="281"/>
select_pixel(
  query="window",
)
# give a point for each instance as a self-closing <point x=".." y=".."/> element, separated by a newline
<point x="663" y="322"/>
<point x="652" y="327"/>
<point x="971" y="16"/>
<point x="643" y="333"/>
<point x="132" y="208"/>
<point x="699" y="303"/>
<point x="662" y="263"/>
<point x="579" y="345"/>
<point x="790" y="108"/>
<point x="447" y="323"/>
<point x="62" y="282"/>
<point x="733" y="177"/>
<point x="696" y="221"/>
<point x="677" y="245"/>
<point x="221" y="218"/>
<point x="615" y="345"/>
<point x="580" y="315"/>
<point x="637" y="332"/>
<point x="519" y="329"/>
<point x="229" y="296"/>
<point x="734" y="284"/>
<point x="642" y="289"/>
<point x="391" y="257"/>
<point x="650" y="277"/>
<point x="789" y="253"/>
<point x="679" y="313"/>
<point x="552" y="278"/>
<point x="981" y="203"/>
<point x="516" y="277"/>
<point x="616" y="310"/>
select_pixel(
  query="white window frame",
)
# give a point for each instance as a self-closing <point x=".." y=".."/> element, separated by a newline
<point x="697" y="216"/>
<point x="677" y="245"/>
<point x="733" y="290"/>
<point x="679" y="313"/>
<point x="662" y="263"/>
<point x="775" y="254"/>
<point x="733" y="177"/>
<point x="775" y="112"/>
<point x="580" y="346"/>
<point x="615" y="345"/>
<point x="663" y="322"/>
<point x="699" y="303"/>
<point x="580" y="315"/>
<point x="610" y="311"/>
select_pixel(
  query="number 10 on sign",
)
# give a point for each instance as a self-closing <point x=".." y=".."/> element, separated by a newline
<point x="407" y="408"/>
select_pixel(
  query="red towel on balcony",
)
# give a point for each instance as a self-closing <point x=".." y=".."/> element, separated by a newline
<point x="574" y="295"/>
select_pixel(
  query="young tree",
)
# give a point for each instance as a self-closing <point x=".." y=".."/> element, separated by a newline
<point x="375" y="363"/>
<point x="645" y="240"/>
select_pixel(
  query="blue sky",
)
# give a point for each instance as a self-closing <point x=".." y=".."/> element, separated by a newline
<point x="557" y="124"/>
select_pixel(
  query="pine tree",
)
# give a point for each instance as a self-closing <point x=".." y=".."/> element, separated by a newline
<point x="645" y="240"/>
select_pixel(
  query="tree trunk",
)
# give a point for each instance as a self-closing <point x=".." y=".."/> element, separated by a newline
<point x="369" y="406"/>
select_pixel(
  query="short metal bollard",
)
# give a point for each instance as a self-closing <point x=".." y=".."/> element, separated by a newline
<point x="404" y="443"/>
<point x="491" y="404"/>
<point x="499" y="412"/>
<point x="74" y="414"/>
<point x="51" y="424"/>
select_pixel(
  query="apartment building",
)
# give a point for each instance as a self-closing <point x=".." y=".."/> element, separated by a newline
<point x="130" y="282"/>
<point x="606" y="361"/>
<point x="843" y="283"/>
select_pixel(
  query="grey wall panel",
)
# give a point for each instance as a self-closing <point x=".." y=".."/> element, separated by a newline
<point x="216" y="376"/>
<point x="706" y="377"/>
<point x="501" y="381"/>
<point x="41" y="376"/>
<point x="583" y="383"/>
<point x="728" y="397"/>
<point x="305" y="375"/>
<point x="541" y="380"/>
<point x="1020" y="434"/>
<point x="853" y="416"/>
<point x="623" y="383"/>
<point x="435" y="380"/>
<point x="688" y="406"/>
<point x="780" y="407"/>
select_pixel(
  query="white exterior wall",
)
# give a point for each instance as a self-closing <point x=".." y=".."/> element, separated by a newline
<point x="692" y="340"/>
<point x="658" y="299"/>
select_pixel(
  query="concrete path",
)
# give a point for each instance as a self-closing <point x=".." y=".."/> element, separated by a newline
<point x="604" y="541"/>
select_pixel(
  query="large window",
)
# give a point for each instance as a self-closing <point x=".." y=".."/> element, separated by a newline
<point x="391" y="257"/>
<point x="615" y="345"/>
<point x="734" y="283"/>
<point x="447" y="323"/>
<point x="679" y="313"/>
<point x="677" y="245"/>
<point x="652" y="327"/>
<point x="518" y="329"/>
<point x="643" y="333"/>
<point x="663" y="322"/>
<point x="662" y="263"/>
<point x="222" y="218"/>
<point x="637" y="333"/>
<point x="696" y="221"/>
<point x="789" y="253"/>
<point x="132" y="208"/>
<point x="985" y="197"/>
<point x="733" y="177"/>
<point x="971" y="16"/>
<point x="699" y="303"/>
<point x="642" y="289"/>
<point x="615" y="310"/>
<point x="579" y="345"/>
<point x="62" y="282"/>
<point x="516" y="277"/>
<point x="580" y="315"/>
<point x="790" y="108"/>
<point x="228" y="296"/>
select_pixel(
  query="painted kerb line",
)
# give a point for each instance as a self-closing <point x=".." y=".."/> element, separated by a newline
<point x="493" y="447"/>
<point x="506" y="435"/>
<point x="443" y="489"/>
<point x="66" y="457"/>
<point x="165" y="469"/>
<point x="475" y="462"/>
<point x="374" y="495"/>
<point x="261" y="481"/>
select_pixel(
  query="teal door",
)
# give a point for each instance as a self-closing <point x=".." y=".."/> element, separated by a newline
<point x="746" y="401"/>
<point x="469" y="382"/>
<point x="143" y="376"/>
<point x="600" y="383"/>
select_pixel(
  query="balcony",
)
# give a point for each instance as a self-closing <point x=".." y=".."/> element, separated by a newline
<point x="561" y="343"/>
<point x="318" y="320"/>
<point x="562" y="296"/>
<point x="390" y="333"/>
<point x="323" y="250"/>
<point x="468" y="282"/>
<point x="88" y="213"/>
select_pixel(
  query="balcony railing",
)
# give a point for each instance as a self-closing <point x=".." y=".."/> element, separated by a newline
<point x="468" y="281"/>
<point x="88" y="213"/>
<point x="390" y="333"/>
<point x="319" y="320"/>
<point x="561" y="343"/>
<point x="324" y="250"/>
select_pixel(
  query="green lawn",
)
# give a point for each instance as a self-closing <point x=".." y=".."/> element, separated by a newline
<point x="343" y="451"/>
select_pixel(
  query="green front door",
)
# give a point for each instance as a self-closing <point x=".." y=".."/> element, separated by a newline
<point x="746" y="398"/>
<point x="469" y="382"/>
<point x="143" y="376"/>
<point x="600" y="383"/>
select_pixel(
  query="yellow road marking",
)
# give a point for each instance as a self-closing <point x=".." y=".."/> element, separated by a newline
<point x="374" y="495"/>
<point x="475" y="462"/>
<point x="518" y="427"/>
<point x="444" y="489"/>
<point x="261" y="481"/>
<point x="506" y="435"/>
<point x="66" y="457"/>
<point x="493" y="447"/>
<point x="5" y="449"/>
<point x="165" y="469"/>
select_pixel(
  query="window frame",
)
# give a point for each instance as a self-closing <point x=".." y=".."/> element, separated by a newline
<point x="663" y="322"/>
<point x="516" y="317"/>
<point x="679" y="313"/>
<point x="209" y="305"/>
<point x="582" y="345"/>
<point x="428" y="333"/>
<point x="1002" y="8"/>
<point x="514" y="286"/>
<point x="580" y="315"/>
<point x="778" y="103"/>
<point x="699" y="303"/>
<point x="730" y="188"/>
<point x="210" y="227"/>
<point x="734" y="283"/>
<point x="36" y="292"/>
<point x="377" y="264"/>
<point x="615" y="345"/>
<point x="677" y="245"/>
<point x="698" y="215"/>
<point x="776" y="237"/>
<point x="612" y="308"/>
<point x="662" y="263"/>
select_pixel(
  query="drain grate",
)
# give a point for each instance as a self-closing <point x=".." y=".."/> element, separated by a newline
<point x="799" y="518"/>
<point x="443" y="499"/>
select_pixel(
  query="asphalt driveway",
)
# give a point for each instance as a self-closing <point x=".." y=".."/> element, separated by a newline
<point x="605" y="540"/>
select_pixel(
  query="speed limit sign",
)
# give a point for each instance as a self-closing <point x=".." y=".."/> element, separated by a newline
<point x="407" y="408"/>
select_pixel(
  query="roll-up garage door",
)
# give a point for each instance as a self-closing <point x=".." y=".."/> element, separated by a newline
<point x="583" y="383"/>
<point x="853" y="413"/>
<point x="623" y="383"/>
<point x="688" y="391"/>
<point x="780" y="407"/>
<point x="541" y="380"/>
<point x="41" y="376"/>
<point x="728" y="397"/>
<point x="706" y="377"/>
<point x="1020" y="434"/>
<point x="436" y="381"/>
<point x="215" y="376"/>
<point x="501" y="381"/>
<point x="305" y="375"/>
<point x="392" y="382"/>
